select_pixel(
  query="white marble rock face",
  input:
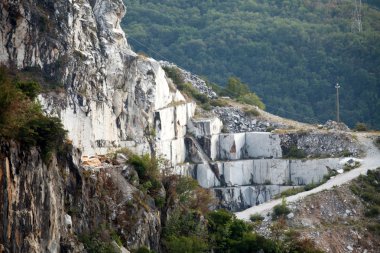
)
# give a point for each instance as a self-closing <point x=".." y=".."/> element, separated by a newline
<point x="111" y="93"/>
<point x="266" y="172"/>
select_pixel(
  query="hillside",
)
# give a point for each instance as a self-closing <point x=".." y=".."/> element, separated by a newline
<point x="291" y="53"/>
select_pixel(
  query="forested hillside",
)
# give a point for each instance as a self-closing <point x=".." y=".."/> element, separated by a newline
<point x="291" y="53"/>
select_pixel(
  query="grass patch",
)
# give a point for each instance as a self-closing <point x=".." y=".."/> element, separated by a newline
<point x="290" y="192"/>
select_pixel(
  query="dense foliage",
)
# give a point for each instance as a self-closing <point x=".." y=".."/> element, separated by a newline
<point x="21" y="117"/>
<point x="291" y="53"/>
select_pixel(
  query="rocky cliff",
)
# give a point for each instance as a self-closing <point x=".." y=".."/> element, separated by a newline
<point x="112" y="97"/>
<point x="108" y="98"/>
<point x="47" y="207"/>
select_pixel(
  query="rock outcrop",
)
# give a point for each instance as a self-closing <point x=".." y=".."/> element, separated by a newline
<point x="113" y="98"/>
<point x="44" y="208"/>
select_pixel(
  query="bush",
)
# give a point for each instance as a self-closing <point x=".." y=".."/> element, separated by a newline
<point x="280" y="210"/>
<point x="30" y="89"/>
<point x="251" y="99"/>
<point x="290" y="192"/>
<point x="99" y="241"/>
<point x="219" y="102"/>
<point x="294" y="152"/>
<point x="361" y="127"/>
<point x="252" y="112"/>
<point x="22" y="119"/>
<point x="47" y="133"/>
<point x="256" y="217"/>
<point x="144" y="249"/>
<point x="174" y="74"/>
<point x="188" y="244"/>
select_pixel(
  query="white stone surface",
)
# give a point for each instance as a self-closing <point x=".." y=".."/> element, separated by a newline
<point x="241" y="197"/>
<point x="311" y="171"/>
<point x="231" y="146"/>
<point x="237" y="172"/>
<point x="267" y="172"/>
<point x="206" y="127"/>
<point x="273" y="171"/>
<point x="261" y="144"/>
<point x="206" y="177"/>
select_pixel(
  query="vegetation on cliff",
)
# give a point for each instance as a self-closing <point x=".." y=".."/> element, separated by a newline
<point x="291" y="53"/>
<point x="21" y="116"/>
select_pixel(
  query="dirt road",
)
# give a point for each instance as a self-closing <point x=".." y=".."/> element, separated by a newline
<point x="370" y="161"/>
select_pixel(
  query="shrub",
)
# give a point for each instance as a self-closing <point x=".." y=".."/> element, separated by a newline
<point x="30" y="89"/>
<point x="294" y="152"/>
<point x="219" y="102"/>
<point x="290" y="192"/>
<point x="99" y="241"/>
<point x="148" y="173"/>
<point x="251" y="99"/>
<point x="256" y="217"/>
<point x="280" y="210"/>
<point x="373" y="211"/>
<point x="45" y="132"/>
<point x="188" y="244"/>
<point x="252" y="112"/>
<point x="174" y="74"/>
<point x="361" y="127"/>
<point x="144" y="249"/>
<point x="22" y="119"/>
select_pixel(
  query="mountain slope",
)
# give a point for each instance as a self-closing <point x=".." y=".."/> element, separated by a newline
<point x="291" y="53"/>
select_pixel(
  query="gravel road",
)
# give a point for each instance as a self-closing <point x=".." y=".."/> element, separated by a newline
<point x="370" y="161"/>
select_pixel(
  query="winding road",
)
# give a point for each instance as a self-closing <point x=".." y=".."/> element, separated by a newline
<point x="370" y="161"/>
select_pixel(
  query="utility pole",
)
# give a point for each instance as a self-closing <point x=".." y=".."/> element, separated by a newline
<point x="337" y="86"/>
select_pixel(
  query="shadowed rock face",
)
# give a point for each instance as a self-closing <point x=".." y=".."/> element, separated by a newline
<point x="110" y="93"/>
<point x="44" y="207"/>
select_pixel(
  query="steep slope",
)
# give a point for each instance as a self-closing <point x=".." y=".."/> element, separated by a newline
<point x="112" y="98"/>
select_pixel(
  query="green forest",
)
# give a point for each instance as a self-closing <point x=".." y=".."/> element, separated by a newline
<point x="291" y="53"/>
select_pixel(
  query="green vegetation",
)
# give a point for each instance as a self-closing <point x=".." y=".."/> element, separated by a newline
<point x="280" y="210"/>
<point x="252" y="112"/>
<point x="294" y="153"/>
<point x="21" y="117"/>
<point x="100" y="240"/>
<point x="240" y="91"/>
<point x="290" y="192"/>
<point x="361" y="127"/>
<point x="256" y="217"/>
<point x="368" y="189"/>
<point x="291" y="53"/>
<point x="143" y="250"/>
<point x="235" y="89"/>
<point x="347" y="167"/>
<point x="308" y="187"/>
<point x="148" y="173"/>
<point x="174" y="74"/>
